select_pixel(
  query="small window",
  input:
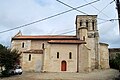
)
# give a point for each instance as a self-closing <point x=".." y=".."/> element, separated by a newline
<point x="93" y="24"/>
<point x="86" y="23"/>
<point x="57" y="54"/>
<point x="80" y="22"/>
<point x="29" y="57"/>
<point x="83" y="37"/>
<point x="23" y="45"/>
<point x="43" y="46"/>
<point x="70" y="55"/>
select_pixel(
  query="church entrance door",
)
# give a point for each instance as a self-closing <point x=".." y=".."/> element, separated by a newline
<point x="63" y="66"/>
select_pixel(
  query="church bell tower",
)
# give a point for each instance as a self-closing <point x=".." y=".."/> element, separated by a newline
<point x="86" y="29"/>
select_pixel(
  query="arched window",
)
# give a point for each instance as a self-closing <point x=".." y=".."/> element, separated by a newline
<point x="93" y="24"/>
<point x="70" y="55"/>
<point x="23" y="45"/>
<point x="80" y="22"/>
<point x="57" y="54"/>
<point x="86" y="23"/>
<point x="43" y="46"/>
<point x="29" y="57"/>
<point x="83" y="37"/>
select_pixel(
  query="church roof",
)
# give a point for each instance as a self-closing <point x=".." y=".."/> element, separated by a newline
<point x="45" y="37"/>
<point x="51" y="39"/>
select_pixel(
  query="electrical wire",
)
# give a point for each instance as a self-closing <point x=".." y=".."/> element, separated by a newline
<point x="97" y="9"/>
<point x="71" y="7"/>
<point x="47" y="17"/>
<point x="76" y="9"/>
<point x="100" y="11"/>
<point x="107" y="21"/>
<point x="67" y="32"/>
<point x="102" y="19"/>
<point x="105" y="7"/>
<point x="97" y="24"/>
<point x="102" y="22"/>
<point x="64" y="30"/>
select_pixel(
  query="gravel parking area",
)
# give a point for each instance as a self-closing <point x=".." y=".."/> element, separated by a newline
<point x="109" y="74"/>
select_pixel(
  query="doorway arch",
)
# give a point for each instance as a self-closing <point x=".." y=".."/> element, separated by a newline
<point x="63" y="65"/>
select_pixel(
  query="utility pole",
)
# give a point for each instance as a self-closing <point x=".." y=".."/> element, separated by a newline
<point x="118" y="9"/>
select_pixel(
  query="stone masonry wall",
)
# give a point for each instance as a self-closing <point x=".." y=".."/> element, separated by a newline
<point x="104" y="56"/>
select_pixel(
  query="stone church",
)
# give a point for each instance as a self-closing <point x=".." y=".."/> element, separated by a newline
<point x="62" y="53"/>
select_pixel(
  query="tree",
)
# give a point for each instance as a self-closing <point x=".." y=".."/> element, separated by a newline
<point x="115" y="62"/>
<point x="8" y="57"/>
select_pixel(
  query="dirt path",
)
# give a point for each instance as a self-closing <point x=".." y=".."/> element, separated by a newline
<point x="109" y="74"/>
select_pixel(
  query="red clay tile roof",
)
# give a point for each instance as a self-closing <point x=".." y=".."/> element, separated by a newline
<point x="66" y="42"/>
<point x="45" y="37"/>
<point x="52" y="39"/>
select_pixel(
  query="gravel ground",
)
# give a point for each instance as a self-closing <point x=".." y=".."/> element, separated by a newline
<point x="109" y="74"/>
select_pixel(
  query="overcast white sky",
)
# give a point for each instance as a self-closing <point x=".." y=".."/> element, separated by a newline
<point x="14" y="13"/>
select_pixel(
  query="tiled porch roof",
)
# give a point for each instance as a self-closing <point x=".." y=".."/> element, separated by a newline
<point x="66" y="42"/>
<point x="32" y="51"/>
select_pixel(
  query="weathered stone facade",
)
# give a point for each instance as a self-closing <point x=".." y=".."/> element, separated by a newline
<point x="79" y="53"/>
<point x="104" y="56"/>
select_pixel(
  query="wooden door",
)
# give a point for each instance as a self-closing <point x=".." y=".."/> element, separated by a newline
<point x="63" y="66"/>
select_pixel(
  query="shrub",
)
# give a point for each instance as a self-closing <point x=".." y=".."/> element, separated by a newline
<point x="5" y="73"/>
<point x="115" y="63"/>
